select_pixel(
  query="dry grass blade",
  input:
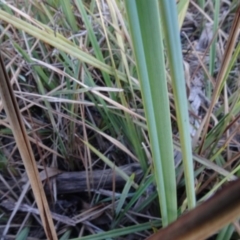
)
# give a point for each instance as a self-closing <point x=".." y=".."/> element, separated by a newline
<point x="10" y="205"/>
<point x="206" y="219"/>
<point x="225" y="63"/>
<point x="20" y="135"/>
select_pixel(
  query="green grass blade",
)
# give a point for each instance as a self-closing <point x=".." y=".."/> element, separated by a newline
<point x="226" y="233"/>
<point x="67" y="8"/>
<point x="23" y="235"/>
<point x="46" y="34"/>
<point x="93" y="39"/>
<point x="121" y="231"/>
<point x="148" y="50"/>
<point x="124" y="194"/>
<point x="213" y="48"/>
<point x="111" y="164"/>
<point x="140" y="191"/>
<point x="182" y="10"/>
<point x="170" y="25"/>
<point x="66" y="235"/>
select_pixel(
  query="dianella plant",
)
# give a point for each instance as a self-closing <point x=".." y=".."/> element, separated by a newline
<point x="155" y="30"/>
<point x="140" y="89"/>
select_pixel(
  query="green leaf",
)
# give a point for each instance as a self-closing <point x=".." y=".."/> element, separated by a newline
<point x="148" y="49"/>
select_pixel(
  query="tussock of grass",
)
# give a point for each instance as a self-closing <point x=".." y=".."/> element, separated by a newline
<point x="73" y="72"/>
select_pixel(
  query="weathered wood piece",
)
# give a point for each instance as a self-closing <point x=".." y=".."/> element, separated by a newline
<point x="74" y="182"/>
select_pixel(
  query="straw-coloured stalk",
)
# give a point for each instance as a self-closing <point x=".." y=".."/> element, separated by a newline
<point x="21" y="137"/>
<point x="232" y="39"/>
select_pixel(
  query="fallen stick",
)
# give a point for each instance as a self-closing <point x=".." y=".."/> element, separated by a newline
<point x="74" y="182"/>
